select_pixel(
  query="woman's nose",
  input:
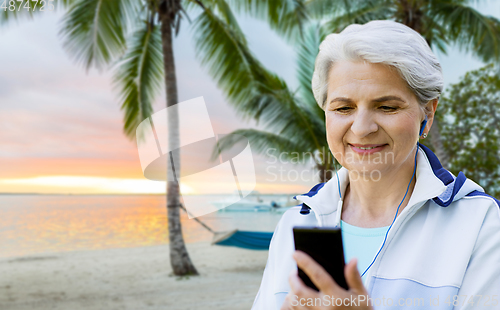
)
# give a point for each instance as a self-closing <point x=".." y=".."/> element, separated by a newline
<point x="363" y="124"/>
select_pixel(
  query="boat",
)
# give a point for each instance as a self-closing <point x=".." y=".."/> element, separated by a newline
<point x="241" y="205"/>
<point x="283" y="204"/>
<point x="253" y="203"/>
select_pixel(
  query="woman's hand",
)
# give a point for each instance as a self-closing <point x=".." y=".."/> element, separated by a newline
<point x="330" y="295"/>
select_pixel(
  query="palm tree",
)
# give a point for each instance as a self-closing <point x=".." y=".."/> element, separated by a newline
<point x="136" y="36"/>
<point x="95" y="31"/>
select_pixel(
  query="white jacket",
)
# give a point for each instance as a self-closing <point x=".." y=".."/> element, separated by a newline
<point x="445" y="242"/>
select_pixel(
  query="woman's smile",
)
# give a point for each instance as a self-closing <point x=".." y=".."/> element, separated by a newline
<point x="367" y="148"/>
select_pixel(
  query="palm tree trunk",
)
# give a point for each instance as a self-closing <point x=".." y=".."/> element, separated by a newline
<point x="179" y="257"/>
<point x="325" y="165"/>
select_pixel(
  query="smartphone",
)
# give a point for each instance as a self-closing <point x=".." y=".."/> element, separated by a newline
<point x="324" y="245"/>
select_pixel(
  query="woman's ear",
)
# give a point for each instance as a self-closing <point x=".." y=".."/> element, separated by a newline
<point x="430" y="110"/>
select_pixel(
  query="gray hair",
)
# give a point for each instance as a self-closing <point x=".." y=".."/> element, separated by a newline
<point x="384" y="42"/>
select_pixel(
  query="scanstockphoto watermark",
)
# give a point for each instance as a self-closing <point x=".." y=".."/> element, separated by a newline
<point x="355" y="301"/>
<point x="428" y="302"/>
<point x="321" y="165"/>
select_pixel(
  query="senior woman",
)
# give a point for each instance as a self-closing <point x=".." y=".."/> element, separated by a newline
<point x="415" y="235"/>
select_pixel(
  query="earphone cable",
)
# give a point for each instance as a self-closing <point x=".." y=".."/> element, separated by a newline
<point x="407" y="188"/>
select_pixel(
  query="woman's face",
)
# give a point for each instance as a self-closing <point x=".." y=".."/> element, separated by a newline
<point x="372" y="118"/>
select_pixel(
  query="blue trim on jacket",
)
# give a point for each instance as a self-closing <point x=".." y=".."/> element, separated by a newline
<point x="305" y="208"/>
<point x="478" y="193"/>
<point x="443" y="174"/>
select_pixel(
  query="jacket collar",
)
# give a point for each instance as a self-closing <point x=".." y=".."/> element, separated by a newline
<point x="432" y="182"/>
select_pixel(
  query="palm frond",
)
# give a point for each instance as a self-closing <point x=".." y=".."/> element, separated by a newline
<point x="360" y="14"/>
<point x="140" y="76"/>
<point x="223" y="10"/>
<point x="133" y="12"/>
<point x="286" y="17"/>
<point x="262" y="142"/>
<point x="225" y="54"/>
<point x="196" y="5"/>
<point x="94" y="30"/>
<point x="471" y="30"/>
<point x="291" y="24"/>
<point x="285" y="114"/>
<point x="306" y="57"/>
<point x="327" y="9"/>
<point x="434" y="33"/>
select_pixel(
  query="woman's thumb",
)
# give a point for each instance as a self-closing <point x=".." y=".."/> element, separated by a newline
<point x="353" y="278"/>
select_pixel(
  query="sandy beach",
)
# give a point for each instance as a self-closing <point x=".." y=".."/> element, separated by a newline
<point x="131" y="278"/>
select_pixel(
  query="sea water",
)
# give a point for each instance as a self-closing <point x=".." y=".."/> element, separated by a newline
<point x="32" y="224"/>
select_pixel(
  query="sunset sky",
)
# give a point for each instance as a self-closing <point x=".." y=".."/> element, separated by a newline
<point x="61" y="127"/>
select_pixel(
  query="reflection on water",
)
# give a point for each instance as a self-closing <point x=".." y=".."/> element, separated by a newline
<point x="32" y="224"/>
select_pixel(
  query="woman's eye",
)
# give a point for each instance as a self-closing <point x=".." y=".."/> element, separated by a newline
<point x="387" y="108"/>
<point x="343" y="109"/>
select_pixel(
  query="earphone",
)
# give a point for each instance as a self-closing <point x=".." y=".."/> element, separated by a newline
<point x="422" y="127"/>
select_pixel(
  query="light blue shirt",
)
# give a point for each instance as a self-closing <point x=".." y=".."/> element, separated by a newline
<point x="362" y="243"/>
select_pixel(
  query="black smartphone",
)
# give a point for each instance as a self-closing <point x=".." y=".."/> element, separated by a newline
<point x="324" y="245"/>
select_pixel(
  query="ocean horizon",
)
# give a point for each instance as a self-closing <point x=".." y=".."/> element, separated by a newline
<point x="32" y="224"/>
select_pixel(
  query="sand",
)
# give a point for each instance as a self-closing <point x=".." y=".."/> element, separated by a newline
<point x="131" y="278"/>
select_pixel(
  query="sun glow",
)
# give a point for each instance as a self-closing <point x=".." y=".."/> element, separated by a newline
<point x="87" y="185"/>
